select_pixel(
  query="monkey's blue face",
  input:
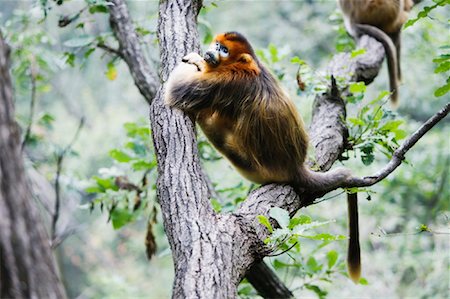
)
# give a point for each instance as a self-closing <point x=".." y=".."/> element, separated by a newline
<point x="215" y="53"/>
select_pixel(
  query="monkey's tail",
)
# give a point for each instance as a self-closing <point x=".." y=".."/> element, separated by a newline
<point x="322" y="181"/>
<point x="391" y="56"/>
<point x="354" y="252"/>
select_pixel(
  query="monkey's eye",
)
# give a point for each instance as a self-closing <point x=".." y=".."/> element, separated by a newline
<point x="223" y="51"/>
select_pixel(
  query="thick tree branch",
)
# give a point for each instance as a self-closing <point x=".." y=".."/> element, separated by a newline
<point x="399" y="154"/>
<point x="130" y="50"/>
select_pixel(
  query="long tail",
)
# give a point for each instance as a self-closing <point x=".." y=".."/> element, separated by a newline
<point x="391" y="56"/>
<point x="354" y="251"/>
<point x="322" y="181"/>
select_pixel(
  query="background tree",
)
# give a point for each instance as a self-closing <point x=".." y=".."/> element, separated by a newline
<point x="27" y="263"/>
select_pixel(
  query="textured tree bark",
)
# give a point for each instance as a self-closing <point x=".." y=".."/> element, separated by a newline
<point x="27" y="266"/>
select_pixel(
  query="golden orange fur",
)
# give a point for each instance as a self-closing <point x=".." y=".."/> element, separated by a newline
<point x="246" y="115"/>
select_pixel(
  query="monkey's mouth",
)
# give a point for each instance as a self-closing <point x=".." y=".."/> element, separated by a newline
<point x="211" y="59"/>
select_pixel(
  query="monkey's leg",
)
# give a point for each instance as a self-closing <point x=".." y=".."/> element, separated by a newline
<point x="354" y="251"/>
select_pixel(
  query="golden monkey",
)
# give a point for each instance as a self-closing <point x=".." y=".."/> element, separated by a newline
<point x="361" y="16"/>
<point x="247" y="116"/>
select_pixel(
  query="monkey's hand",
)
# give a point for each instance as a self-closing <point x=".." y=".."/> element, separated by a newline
<point x="195" y="59"/>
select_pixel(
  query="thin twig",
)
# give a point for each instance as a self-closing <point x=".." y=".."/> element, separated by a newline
<point x="110" y="50"/>
<point x="33" y="73"/>
<point x="284" y="251"/>
<point x="399" y="154"/>
<point x="59" y="163"/>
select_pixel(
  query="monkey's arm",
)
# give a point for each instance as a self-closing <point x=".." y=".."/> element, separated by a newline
<point x="187" y="89"/>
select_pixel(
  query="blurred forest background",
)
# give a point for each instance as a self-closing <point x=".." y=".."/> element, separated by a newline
<point x="63" y="77"/>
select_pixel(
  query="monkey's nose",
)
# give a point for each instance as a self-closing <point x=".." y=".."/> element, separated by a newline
<point x="211" y="58"/>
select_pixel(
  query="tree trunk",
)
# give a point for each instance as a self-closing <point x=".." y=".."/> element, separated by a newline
<point x="27" y="264"/>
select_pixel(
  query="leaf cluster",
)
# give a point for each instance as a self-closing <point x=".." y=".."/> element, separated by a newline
<point x="125" y="190"/>
<point x="373" y="126"/>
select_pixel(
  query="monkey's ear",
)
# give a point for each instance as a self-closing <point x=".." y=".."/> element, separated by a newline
<point x="245" y="58"/>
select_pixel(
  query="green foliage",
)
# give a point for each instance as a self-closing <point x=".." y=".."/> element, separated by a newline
<point x="286" y="241"/>
<point x="126" y="193"/>
<point x="424" y="13"/>
<point x="272" y="57"/>
<point x="312" y="82"/>
<point x="443" y="66"/>
<point x="344" y="42"/>
<point x="373" y="127"/>
<point x="442" y="61"/>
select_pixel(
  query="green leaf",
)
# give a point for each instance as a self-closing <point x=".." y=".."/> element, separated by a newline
<point x="277" y="264"/>
<point x="442" y="90"/>
<point x="120" y="217"/>
<point x="46" y="120"/>
<point x="302" y="219"/>
<point x="356" y="121"/>
<point x="119" y="156"/>
<point x="280" y="215"/>
<point x="89" y="52"/>
<point x="378" y="114"/>
<point x="70" y="58"/>
<point x="273" y="53"/>
<point x="142" y="165"/>
<point x="380" y="96"/>
<point x="297" y="60"/>
<point x="357" y="87"/>
<point x="79" y="41"/>
<point x="313" y="265"/>
<point x="442" y="68"/>
<point x="441" y="58"/>
<point x="264" y="221"/>
<point x="332" y="257"/>
<point x="358" y="52"/>
<point x="111" y="72"/>
<point x="363" y="281"/>
<point x="94" y="189"/>
<point x="98" y="9"/>
<point x="391" y="125"/>
<point x="216" y="205"/>
<point x="107" y="183"/>
<point x="319" y="292"/>
<point x="400" y="134"/>
<point x="325" y="237"/>
<point x="367" y="159"/>
<point x="245" y="291"/>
